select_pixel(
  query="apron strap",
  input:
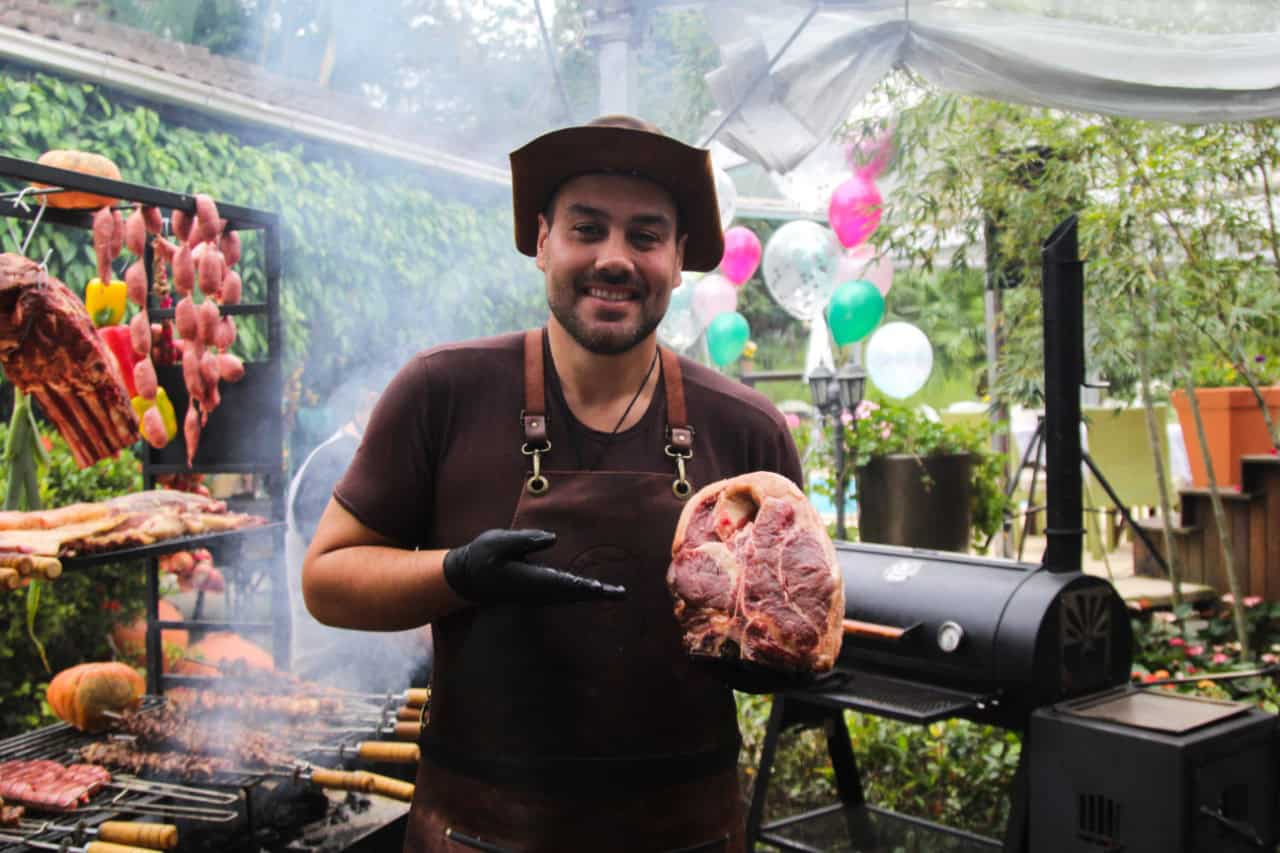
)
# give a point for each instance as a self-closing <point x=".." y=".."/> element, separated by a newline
<point x="533" y="417"/>
<point x="679" y="432"/>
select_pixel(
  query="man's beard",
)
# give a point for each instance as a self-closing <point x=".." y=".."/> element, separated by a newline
<point x="600" y="341"/>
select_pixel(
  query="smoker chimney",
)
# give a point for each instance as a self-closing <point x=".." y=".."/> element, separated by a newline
<point x="1062" y="300"/>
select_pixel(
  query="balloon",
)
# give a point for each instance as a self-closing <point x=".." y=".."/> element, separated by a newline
<point x="856" y="307"/>
<point x="726" y="196"/>
<point x="861" y="262"/>
<point x="680" y="327"/>
<point x="873" y="155"/>
<point x="727" y="335"/>
<point x="799" y="263"/>
<point x="899" y="359"/>
<point x="741" y="254"/>
<point x="713" y="295"/>
<point x="854" y="211"/>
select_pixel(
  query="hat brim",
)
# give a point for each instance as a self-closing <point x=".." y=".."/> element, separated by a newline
<point x="540" y="167"/>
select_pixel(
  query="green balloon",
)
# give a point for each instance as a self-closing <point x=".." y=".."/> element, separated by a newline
<point x="855" y="309"/>
<point x="727" y="335"/>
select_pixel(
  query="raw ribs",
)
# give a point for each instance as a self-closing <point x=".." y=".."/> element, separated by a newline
<point x="49" y="349"/>
<point x="754" y="576"/>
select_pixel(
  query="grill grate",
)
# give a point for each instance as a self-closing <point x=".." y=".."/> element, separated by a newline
<point x="896" y="698"/>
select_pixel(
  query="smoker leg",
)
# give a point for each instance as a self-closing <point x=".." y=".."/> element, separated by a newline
<point x="1017" y="832"/>
<point x="849" y="783"/>
<point x="774" y="728"/>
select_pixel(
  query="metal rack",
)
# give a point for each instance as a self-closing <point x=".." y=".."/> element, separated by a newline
<point x="244" y="435"/>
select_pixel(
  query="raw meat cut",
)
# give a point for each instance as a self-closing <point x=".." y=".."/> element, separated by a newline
<point x="754" y="576"/>
<point x="49" y="349"/>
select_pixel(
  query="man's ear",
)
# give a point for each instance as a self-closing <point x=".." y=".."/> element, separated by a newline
<point x="544" y="229"/>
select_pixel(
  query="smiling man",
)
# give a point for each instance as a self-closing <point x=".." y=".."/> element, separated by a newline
<point x="520" y="493"/>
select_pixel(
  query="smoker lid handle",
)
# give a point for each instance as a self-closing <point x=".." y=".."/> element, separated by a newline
<point x="871" y="630"/>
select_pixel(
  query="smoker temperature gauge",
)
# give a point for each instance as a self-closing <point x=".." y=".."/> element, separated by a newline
<point x="950" y="635"/>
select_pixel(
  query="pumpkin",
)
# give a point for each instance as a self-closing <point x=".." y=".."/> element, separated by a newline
<point x="226" y="646"/>
<point x="131" y="640"/>
<point x="79" y="161"/>
<point x="81" y="695"/>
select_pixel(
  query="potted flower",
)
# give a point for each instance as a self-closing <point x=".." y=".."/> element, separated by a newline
<point x="922" y="483"/>
<point x="1233" y="421"/>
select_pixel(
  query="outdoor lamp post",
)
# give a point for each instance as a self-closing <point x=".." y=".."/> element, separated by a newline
<point x="833" y="393"/>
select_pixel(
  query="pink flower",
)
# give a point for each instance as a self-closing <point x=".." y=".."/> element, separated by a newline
<point x="886" y="432"/>
<point x="1220" y="658"/>
<point x="1270" y="658"/>
<point x="1252" y="600"/>
<point x="1228" y="598"/>
<point x="846" y="418"/>
<point x="1177" y="641"/>
<point x="1195" y="650"/>
<point x="1191" y="669"/>
<point x="1165" y="616"/>
<point x="864" y="409"/>
<point x="793" y="420"/>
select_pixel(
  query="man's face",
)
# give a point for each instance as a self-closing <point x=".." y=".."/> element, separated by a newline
<point x="611" y="257"/>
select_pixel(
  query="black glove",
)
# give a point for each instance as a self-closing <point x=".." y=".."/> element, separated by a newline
<point x="491" y="570"/>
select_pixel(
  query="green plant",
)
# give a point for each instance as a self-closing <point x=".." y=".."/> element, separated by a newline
<point x="77" y="610"/>
<point x="1210" y="370"/>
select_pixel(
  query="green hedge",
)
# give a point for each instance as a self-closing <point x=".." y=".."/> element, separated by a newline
<point x="376" y="263"/>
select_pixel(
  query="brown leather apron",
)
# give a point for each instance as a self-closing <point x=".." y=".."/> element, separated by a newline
<point x="581" y="727"/>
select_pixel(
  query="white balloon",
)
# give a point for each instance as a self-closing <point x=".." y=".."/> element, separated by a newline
<point x="899" y="359"/>
<point x="680" y="327"/>
<point x="726" y="197"/>
<point x="799" y="267"/>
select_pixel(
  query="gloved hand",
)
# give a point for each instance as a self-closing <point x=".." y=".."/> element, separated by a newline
<point x="491" y="569"/>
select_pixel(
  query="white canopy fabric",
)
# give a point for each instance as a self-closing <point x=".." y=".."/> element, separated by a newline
<point x="1189" y="61"/>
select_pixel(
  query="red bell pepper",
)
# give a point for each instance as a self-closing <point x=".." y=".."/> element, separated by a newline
<point x="119" y="345"/>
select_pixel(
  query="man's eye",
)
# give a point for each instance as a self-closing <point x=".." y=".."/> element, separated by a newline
<point x="645" y="238"/>
<point x="588" y="229"/>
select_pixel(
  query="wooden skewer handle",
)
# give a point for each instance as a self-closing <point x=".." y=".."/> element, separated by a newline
<point x="406" y="714"/>
<point x="407" y="731"/>
<point x="342" y="780"/>
<point x="110" y="847"/>
<point x="416" y="696"/>
<point x="154" y="836"/>
<point x="390" y="751"/>
<point x="396" y="789"/>
<point x="9" y="578"/>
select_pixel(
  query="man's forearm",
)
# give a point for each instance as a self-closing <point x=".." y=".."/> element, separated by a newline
<point x="376" y="587"/>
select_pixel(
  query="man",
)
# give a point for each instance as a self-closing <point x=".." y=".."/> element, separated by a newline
<point x="353" y="659"/>
<point x="539" y="476"/>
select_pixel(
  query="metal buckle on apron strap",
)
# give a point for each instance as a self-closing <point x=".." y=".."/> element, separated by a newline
<point x="536" y="443"/>
<point x="680" y="448"/>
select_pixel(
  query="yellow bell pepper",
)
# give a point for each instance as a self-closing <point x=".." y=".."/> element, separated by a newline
<point x="105" y="302"/>
<point x="142" y="404"/>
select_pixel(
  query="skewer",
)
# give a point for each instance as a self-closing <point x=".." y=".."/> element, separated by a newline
<point x="91" y="847"/>
<point x="403" y="731"/>
<point x="348" y="780"/>
<point x="390" y="752"/>
<point x="153" y="836"/>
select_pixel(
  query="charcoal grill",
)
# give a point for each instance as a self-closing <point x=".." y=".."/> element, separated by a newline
<point x="247" y="810"/>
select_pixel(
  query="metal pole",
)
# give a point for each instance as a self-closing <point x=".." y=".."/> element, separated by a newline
<point x="1062" y="293"/>
<point x="840" y="477"/>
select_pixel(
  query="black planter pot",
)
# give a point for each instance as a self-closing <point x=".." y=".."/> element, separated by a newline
<point x="916" y="501"/>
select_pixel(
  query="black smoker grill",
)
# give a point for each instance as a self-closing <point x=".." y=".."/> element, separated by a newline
<point x="1039" y="649"/>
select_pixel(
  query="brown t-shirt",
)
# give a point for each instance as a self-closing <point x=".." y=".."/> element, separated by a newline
<point x="440" y="462"/>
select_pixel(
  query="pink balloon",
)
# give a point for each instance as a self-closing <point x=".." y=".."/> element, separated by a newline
<point x="871" y="156"/>
<point x="854" y="211"/>
<point x="712" y="295"/>
<point x="741" y="254"/>
<point x="860" y="262"/>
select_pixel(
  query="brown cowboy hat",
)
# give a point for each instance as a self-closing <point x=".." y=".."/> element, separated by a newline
<point x="626" y="146"/>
